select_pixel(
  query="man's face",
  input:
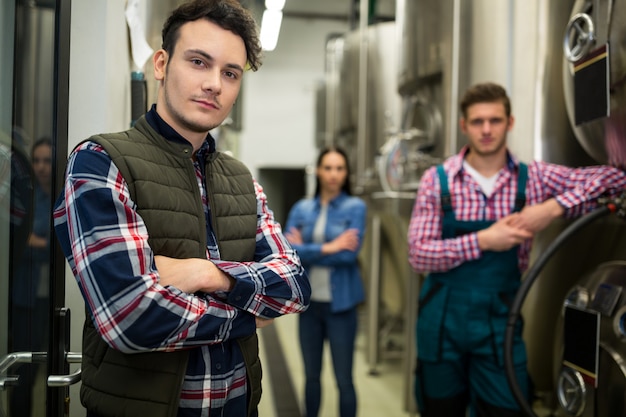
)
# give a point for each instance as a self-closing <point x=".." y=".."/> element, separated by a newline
<point x="200" y="81"/>
<point x="486" y="126"/>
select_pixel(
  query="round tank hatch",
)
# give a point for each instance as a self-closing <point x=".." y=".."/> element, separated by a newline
<point x="571" y="391"/>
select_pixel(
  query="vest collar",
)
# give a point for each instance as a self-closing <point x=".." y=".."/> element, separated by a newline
<point x="160" y="126"/>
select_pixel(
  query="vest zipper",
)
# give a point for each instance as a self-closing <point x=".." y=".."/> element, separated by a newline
<point x="208" y="184"/>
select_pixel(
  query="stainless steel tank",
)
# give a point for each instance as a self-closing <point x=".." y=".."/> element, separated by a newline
<point x="590" y="356"/>
<point x="428" y="70"/>
<point x="594" y="74"/>
<point x="361" y="71"/>
<point x="592" y="377"/>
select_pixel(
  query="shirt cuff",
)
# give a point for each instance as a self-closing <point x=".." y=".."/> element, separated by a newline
<point x="569" y="199"/>
<point x="470" y="248"/>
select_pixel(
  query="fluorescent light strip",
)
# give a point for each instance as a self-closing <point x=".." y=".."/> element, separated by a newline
<point x="270" y="28"/>
<point x="274" y="4"/>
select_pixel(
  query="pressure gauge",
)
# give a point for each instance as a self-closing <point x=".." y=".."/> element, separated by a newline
<point x="571" y="391"/>
<point x="619" y="323"/>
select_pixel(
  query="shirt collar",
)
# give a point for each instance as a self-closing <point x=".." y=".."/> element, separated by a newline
<point x="456" y="163"/>
<point x="168" y="132"/>
<point x="332" y="202"/>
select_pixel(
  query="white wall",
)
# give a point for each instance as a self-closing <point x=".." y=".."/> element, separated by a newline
<point x="99" y="69"/>
<point x="279" y="99"/>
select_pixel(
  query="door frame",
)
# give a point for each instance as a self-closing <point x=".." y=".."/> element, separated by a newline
<point x="57" y="404"/>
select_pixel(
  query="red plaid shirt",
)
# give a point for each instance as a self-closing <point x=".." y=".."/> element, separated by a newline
<point x="576" y="189"/>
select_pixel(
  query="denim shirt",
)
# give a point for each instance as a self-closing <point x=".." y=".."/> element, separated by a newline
<point x="344" y="212"/>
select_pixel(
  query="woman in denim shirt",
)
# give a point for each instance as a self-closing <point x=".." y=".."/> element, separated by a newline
<point x="327" y="232"/>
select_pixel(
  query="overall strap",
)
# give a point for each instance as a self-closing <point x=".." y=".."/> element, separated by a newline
<point x="446" y="204"/>
<point x="520" y="196"/>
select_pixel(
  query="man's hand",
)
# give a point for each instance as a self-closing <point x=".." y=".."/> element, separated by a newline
<point x="192" y="274"/>
<point x="538" y="217"/>
<point x="503" y="234"/>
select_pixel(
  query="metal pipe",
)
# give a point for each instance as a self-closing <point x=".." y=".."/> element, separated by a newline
<point x="410" y="353"/>
<point x="330" y="93"/>
<point x="362" y="102"/>
<point x="454" y="76"/>
<point x="374" y="297"/>
<point x="352" y="14"/>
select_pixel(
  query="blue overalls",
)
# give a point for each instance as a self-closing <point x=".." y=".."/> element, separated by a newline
<point x="461" y="325"/>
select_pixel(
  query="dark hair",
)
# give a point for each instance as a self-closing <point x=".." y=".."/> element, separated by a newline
<point x="44" y="140"/>
<point x="228" y="14"/>
<point x="346" y="184"/>
<point x="485" y="93"/>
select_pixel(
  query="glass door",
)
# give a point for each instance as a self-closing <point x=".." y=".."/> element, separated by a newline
<point x="34" y="334"/>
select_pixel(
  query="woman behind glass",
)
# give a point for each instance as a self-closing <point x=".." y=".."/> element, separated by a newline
<point x="327" y="232"/>
<point x="30" y="292"/>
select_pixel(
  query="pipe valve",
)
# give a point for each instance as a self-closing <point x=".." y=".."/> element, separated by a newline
<point x="616" y="205"/>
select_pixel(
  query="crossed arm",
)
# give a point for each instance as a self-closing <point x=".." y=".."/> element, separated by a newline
<point x="194" y="274"/>
<point x="515" y="228"/>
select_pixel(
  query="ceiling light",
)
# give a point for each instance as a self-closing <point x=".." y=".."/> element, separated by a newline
<point x="274" y="4"/>
<point x="270" y="28"/>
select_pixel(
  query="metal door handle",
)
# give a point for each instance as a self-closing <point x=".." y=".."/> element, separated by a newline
<point x="70" y="379"/>
<point x="7" y="380"/>
<point x="20" y="357"/>
<point x="17" y="357"/>
<point x="64" y="380"/>
<point x="29" y="357"/>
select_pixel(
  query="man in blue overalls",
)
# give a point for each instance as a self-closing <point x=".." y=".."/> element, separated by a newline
<point x="471" y="231"/>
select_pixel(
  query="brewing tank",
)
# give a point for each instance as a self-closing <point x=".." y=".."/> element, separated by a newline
<point x="360" y="71"/>
<point x="594" y="77"/>
<point x="589" y="366"/>
<point x="428" y="70"/>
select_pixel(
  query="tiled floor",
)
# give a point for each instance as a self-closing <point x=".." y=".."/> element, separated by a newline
<point x="379" y="395"/>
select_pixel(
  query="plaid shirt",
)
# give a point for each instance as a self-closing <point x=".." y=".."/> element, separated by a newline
<point x="575" y="189"/>
<point x="106" y="244"/>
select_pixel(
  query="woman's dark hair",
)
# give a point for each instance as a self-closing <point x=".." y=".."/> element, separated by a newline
<point x="346" y="184"/>
<point x="228" y="14"/>
<point x="44" y="140"/>
<point x="485" y="93"/>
